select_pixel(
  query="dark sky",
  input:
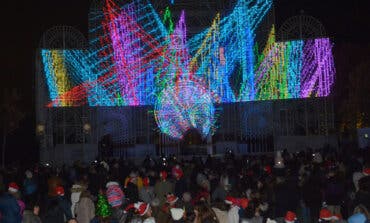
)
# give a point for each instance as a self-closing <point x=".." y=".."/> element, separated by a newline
<point x="24" y="21"/>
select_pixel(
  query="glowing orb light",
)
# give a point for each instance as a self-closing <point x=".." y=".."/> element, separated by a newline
<point x="184" y="107"/>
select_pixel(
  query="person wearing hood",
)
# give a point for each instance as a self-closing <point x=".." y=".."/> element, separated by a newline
<point x="115" y="197"/>
<point x="9" y="207"/>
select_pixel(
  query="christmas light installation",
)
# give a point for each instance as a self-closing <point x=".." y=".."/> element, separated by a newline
<point x="138" y="58"/>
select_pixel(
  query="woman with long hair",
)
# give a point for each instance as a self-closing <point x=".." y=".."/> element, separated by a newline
<point x="204" y="214"/>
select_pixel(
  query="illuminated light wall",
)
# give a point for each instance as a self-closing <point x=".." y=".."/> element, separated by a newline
<point x="138" y="58"/>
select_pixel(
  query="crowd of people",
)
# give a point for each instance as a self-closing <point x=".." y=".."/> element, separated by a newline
<point x="307" y="187"/>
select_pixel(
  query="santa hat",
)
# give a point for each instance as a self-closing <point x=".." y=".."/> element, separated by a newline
<point x="28" y="174"/>
<point x="163" y="175"/>
<point x="325" y="215"/>
<point x="290" y="217"/>
<point x="114" y="194"/>
<point x="146" y="181"/>
<point x="230" y="200"/>
<point x="171" y="198"/>
<point x="267" y="169"/>
<point x="142" y="208"/>
<point x="177" y="172"/>
<point x="240" y="202"/>
<point x="59" y="191"/>
<point x="366" y="171"/>
<point x="177" y="213"/>
<point x="13" y="187"/>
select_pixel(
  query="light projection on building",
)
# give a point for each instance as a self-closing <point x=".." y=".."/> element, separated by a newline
<point x="143" y="58"/>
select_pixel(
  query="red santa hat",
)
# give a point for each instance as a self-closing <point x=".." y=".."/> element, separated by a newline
<point x="13" y="187"/>
<point x="268" y="169"/>
<point x="146" y="181"/>
<point x="290" y="217"/>
<point x="240" y="202"/>
<point x="171" y="198"/>
<point x="142" y="208"/>
<point x="325" y="214"/>
<point x="177" y="172"/>
<point x="59" y="191"/>
<point x="230" y="200"/>
<point x="163" y="175"/>
<point x="366" y="171"/>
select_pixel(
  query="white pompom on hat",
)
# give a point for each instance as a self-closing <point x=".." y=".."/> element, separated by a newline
<point x="177" y="213"/>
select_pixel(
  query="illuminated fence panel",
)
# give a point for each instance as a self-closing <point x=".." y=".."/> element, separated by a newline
<point x="139" y="58"/>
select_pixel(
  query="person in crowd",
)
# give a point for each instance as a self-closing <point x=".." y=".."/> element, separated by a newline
<point x="205" y="214"/>
<point x="163" y="187"/>
<point x="31" y="213"/>
<point x="85" y="208"/>
<point x="146" y="193"/>
<point x="9" y="208"/>
<point x="143" y="210"/>
<point x="180" y="185"/>
<point x="115" y="198"/>
<point x="30" y="186"/>
<point x="63" y="202"/>
<point x="76" y="191"/>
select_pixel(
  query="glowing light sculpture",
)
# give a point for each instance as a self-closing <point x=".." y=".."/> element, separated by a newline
<point x="135" y="58"/>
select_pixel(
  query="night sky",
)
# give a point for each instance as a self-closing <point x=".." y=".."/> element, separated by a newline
<point x="346" y="22"/>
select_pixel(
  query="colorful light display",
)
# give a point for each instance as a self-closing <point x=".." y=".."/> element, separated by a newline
<point x="143" y="59"/>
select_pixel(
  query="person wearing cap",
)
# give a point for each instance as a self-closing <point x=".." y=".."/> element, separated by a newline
<point x="9" y="207"/>
<point x="163" y="187"/>
<point x="235" y="205"/>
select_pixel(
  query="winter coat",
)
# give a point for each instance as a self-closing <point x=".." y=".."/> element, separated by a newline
<point x="85" y="210"/>
<point x="30" y="217"/>
<point x="222" y="216"/>
<point x="65" y="205"/>
<point x="9" y="209"/>
<point x="286" y="197"/>
<point x="146" y="194"/>
<point x="233" y="215"/>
